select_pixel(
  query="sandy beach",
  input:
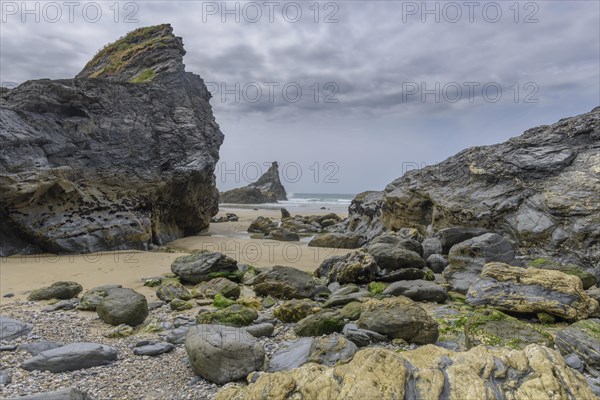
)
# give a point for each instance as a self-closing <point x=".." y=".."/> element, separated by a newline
<point x="20" y="274"/>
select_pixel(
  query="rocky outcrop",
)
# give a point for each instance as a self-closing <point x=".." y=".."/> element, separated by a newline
<point x="582" y="338"/>
<point x="466" y="259"/>
<point x="267" y="189"/>
<point x="429" y="372"/>
<point x="121" y="157"/>
<point x="541" y="189"/>
<point x="531" y="291"/>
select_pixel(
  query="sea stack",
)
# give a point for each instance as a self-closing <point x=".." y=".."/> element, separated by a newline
<point x="267" y="189"/>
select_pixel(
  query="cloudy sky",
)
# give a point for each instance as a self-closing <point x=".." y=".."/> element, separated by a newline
<point x="346" y="95"/>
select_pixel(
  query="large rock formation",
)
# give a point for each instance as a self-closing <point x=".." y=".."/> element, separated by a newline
<point x="541" y="189"/>
<point x="121" y="157"/>
<point x="429" y="372"/>
<point x="267" y="189"/>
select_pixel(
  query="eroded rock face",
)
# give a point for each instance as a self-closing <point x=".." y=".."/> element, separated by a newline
<point x="540" y="188"/>
<point x="466" y="259"/>
<point x="582" y="338"/>
<point x="121" y="157"/>
<point x="530" y="291"/>
<point x="267" y="189"/>
<point x="429" y="372"/>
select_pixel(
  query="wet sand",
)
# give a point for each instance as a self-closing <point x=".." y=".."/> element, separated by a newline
<point x="21" y="274"/>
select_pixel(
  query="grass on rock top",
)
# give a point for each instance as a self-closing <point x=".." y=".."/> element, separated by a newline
<point x="117" y="55"/>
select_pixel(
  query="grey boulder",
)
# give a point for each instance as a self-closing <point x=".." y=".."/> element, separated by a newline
<point x="285" y="283"/>
<point x="393" y="253"/>
<point x="437" y="263"/>
<point x="292" y="354"/>
<point x="58" y="290"/>
<point x="362" y="337"/>
<point x="222" y="354"/>
<point x="325" y="350"/>
<point x="71" y="357"/>
<point x="91" y="298"/>
<point x="204" y="266"/>
<point x="418" y="290"/>
<point x="466" y="259"/>
<point x="123" y="306"/>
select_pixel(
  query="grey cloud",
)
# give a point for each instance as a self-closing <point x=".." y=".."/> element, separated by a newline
<point x="369" y="54"/>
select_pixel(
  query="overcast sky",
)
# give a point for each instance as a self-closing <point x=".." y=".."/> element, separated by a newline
<point x="371" y="61"/>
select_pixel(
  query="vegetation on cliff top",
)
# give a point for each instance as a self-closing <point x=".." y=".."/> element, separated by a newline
<point x="116" y="56"/>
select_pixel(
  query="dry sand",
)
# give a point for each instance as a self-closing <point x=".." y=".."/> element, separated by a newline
<point x="21" y="274"/>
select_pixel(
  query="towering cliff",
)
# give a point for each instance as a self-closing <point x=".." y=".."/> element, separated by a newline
<point x="121" y="157"/>
<point x="542" y="189"/>
<point x="267" y="189"/>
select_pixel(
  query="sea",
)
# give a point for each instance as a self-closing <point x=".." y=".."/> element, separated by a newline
<point x="307" y="202"/>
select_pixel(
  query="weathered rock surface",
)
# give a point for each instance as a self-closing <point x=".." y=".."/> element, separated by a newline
<point x="582" y="338"/>
<point x="260" y="330"/>
<point x="71" y="357"/>
<point x="285" y="283"/>
<point x="58" y="290"/>
<point x="292" y="354"/>
<point x="282" y="235"/>
<point x="466" y="259"/>
<point x="325" y="350"/>
<point x="355" y="267"/>
<point x="429" y="372"/>
<point x="11" y="329"/>
<point x="223" y="286"/>
<point x="418" y="290"/>
<point x="123" y="306"/>
<point x="399" y="318"/>
<point x="295" y="310"/>
<point x="223" y="354"/>
<point x="169" y="291"/>
<point x="324" y="322"/>
<point x="262" y="225"/>
<point x="337" y="241"/>
<point x="494" y="328"/>
<point x="393" y="253"/>
<point x="531" y="290"/>
<point x="204" y="266"/>
<point x="267" y="189"/>
<point x="540" y="189"/>
<point x="121" y="157"/>
<point x="235" y="315"/>
<point x="587" y="279"/>
<point x="93" y="297"/>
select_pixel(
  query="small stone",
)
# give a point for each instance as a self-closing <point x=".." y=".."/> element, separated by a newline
<point x="5" y="378"/>
<point x="574" y="362"/>
<point x="180" y="305"/>
<point x="154" y="349"/>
